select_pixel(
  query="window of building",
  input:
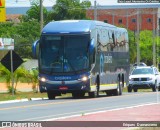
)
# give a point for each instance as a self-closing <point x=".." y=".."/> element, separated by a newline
<point x="149" y="20"/>
<point x="106" y="21"/>
<point x="120" y="21"/>
<point x="133" y="20"/>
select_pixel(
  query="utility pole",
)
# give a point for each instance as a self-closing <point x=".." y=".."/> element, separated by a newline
<point x="41" y="15"/>
<point x="157" y="35"/>
<point x="154" y="45"/>
<point x="95" y="10"/>
<point x="138" y="49"/>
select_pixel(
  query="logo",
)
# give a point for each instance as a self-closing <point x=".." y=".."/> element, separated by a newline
<point x="6" y="124"/>
<point x="62" y="78"/>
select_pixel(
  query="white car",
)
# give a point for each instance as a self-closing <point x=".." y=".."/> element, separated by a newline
<point x="144" y="77"/>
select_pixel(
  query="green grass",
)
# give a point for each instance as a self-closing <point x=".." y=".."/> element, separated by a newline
<point x="139" y="90"/>
<point x="21" y="95"/>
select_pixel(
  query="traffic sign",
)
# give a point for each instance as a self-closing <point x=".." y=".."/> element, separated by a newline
<point x="16" y="59"/>
<point x="2" y="11"/>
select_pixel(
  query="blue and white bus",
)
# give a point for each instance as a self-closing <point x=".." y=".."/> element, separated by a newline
<point x="82" y="56"/>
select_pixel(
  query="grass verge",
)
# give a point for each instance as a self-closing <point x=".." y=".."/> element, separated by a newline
<point x="21" y="95"/>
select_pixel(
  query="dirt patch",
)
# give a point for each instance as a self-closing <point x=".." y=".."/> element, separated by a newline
<point x="20" y="87"/>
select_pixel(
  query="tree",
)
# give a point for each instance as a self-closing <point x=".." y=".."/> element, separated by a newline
<point x="33" y="76"/>
<point x="69" y="9"/>
<point x="28" y="32"/>
<point x="132" y="46"/>
<point x="7" y="29"/>
<point x="20" y="73"/>
<point x="34" y="12"/>
<point x="24" y="34"/>
<point x="146" y="46"/>
<point x="146" y="49"/>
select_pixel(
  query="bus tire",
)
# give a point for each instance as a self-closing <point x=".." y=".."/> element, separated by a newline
<point x="109" y="92"/>
<point x="92" y="94"/>
<point x="118" y="91"/>
<point x="51" y="95"/>
<point x="98" y="85"/>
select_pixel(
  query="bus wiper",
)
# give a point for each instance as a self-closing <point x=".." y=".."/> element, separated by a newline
<point x="71" y="66"/>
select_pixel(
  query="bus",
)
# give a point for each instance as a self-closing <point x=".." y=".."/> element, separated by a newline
<point x="82" y="57"/>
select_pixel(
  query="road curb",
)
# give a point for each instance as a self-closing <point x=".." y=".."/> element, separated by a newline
<point x="14" y="101"/>
<point x="22" y="100"/>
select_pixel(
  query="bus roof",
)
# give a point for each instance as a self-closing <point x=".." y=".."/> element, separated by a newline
<point x="72" y="26"/>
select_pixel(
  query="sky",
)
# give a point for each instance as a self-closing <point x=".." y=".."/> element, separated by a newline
<point x="50" y="3"/>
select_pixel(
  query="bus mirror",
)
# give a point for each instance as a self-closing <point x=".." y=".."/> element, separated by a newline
<point x="35" y="49"/>
<point x="92" y="51"/>
<point x="92" y="46"/>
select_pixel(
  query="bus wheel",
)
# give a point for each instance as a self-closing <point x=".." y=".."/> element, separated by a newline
<point x="109" y="92"/>
<point x="92" y="94"/>
<point x="118" y="91"/>
<point x="120" y="88"/>
<point x="51" y="95"/>
<point x="81" y="94"/>
<point x="98" y="86"/>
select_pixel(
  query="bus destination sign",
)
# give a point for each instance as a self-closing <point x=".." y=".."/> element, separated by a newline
<point x="138" y="1"/>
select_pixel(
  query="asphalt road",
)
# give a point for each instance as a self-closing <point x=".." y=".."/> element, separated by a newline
<point x="41" y="110"/>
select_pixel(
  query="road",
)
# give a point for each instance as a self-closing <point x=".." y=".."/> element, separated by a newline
<point x="41" y="110"/>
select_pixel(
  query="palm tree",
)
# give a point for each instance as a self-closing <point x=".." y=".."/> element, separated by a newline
<point x="33" y="76"/>
<point x="6" y="74"/>
<point x="30" y="77"/>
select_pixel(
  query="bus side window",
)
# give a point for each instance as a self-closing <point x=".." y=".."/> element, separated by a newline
<point x="92" y="51"/>
<point x="92" y="57"/>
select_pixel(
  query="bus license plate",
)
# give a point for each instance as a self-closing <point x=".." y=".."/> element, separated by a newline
<point x="63" y="88"/>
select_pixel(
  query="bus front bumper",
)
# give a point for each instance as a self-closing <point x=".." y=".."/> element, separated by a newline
<point x="64" y="86"/>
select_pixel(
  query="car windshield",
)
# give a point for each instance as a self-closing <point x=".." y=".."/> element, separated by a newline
<point x="142" y="71"/>
<point x="140" y="64"/>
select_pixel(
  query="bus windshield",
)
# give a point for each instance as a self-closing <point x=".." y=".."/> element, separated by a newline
<point x="63" y="53"/>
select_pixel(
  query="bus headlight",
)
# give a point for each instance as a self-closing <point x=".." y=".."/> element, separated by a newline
<point x="42" y="79"/>
<point x="85" y="78"/>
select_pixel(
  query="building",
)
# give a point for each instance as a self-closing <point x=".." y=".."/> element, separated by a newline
<point x="132" y="17"/>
